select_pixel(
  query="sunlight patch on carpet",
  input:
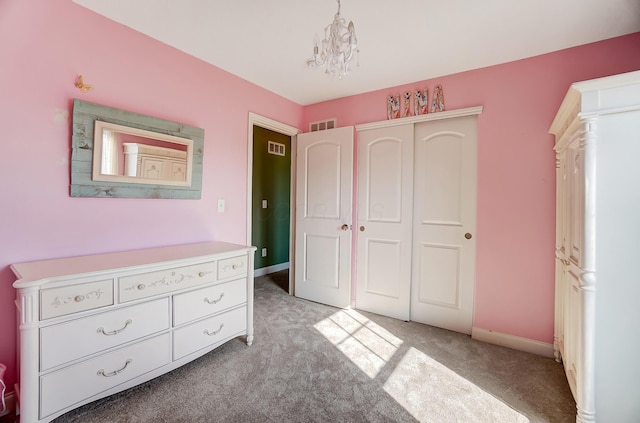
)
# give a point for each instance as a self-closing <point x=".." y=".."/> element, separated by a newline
<point x="368" y="345"/>
<point x="431" y="392"/>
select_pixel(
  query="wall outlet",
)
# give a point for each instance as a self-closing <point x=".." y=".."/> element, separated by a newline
<point x="264" y="252"/>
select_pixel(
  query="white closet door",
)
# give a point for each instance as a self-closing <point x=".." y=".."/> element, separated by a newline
<point x="324" y="180"/>
<point x="385" y="194"/>
<point x="444" y="223"/>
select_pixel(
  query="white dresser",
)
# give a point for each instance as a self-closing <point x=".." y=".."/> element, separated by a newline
<point x="597" y="132"/>
<point x="95" y="325"/>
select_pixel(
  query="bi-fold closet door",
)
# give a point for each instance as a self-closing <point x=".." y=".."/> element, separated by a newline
<point x="416" y="220"/>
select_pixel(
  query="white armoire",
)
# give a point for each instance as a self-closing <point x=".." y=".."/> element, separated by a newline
<point x="597" y="131"/>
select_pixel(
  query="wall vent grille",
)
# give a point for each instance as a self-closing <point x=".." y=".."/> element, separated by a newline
<point x="276" y="148"/>
<point x="322" y="125"/>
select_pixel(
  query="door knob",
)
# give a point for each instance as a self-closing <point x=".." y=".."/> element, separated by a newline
<point x="344" y="227"/>
<point x="468" y="235"/>
<point x="361" y="228"/>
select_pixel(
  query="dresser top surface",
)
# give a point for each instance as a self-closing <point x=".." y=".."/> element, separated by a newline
<point x="35" y="271"/>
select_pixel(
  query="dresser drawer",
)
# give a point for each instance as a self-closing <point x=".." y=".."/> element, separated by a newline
<point x="196" y="304"/>
<point x="153" y="283"/>
<point x="235" y="266"/>
<point x="65" y="387"/>
<point x="204" y="333"/>
<point x="78" y="338"/>
<point x="65" y="300"/>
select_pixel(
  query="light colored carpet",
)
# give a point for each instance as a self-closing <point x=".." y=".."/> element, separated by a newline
<point x="314" y="363"/>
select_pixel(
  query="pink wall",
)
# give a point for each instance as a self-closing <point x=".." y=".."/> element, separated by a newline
<point x="516" y="170"/>
<point x="44" y="45"/>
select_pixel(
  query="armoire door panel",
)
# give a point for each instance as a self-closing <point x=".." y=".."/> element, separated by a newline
<point x="576" y="202"/>
<point x="562" y="206"/>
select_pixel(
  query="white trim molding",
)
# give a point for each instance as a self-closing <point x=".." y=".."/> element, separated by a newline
<point x="273" y="125"/>
<point x="511" y="341"/>
<point x="469" y="111"/>
<point x="10" y="401"/>
<point x="271" y="269"/>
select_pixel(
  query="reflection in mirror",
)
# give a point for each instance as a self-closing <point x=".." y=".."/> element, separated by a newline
<point x="125" y="154"/>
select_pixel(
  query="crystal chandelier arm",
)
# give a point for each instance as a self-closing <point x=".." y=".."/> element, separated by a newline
<point x="352" y="40"/>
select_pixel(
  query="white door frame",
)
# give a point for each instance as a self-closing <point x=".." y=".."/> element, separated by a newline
<point x="273" y="125"/>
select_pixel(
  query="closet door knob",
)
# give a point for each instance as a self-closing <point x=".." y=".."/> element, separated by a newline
<point x="468" y="235"/>
<point x="361" y="228"/>
<point x="344" y="227"/>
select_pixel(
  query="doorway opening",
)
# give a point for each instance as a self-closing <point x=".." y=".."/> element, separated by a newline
<point x="270" y="196"/>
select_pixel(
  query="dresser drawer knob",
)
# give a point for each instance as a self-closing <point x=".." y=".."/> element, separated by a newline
<point x="215" y="332"/>
<point x="141" y="286"/>
<point x="115" y="372"/>
<point x="201" y="274"/>
<point x="117" y="331"/>
<point x="78" y="298"/>
<point x="208" y="301"/>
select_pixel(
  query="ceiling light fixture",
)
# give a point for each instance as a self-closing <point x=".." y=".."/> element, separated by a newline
<point x="338" y="50"/>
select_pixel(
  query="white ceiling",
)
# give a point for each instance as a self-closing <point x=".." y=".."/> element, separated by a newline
<point x="402" y="41"/>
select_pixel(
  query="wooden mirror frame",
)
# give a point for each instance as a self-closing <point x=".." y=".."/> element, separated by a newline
<point x="85" y="114"/>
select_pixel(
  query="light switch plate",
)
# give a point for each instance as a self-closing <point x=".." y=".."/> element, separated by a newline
<point x="220" y="205"/>
<point x="264" y="204"/>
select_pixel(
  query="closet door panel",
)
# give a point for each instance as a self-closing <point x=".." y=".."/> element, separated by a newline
<point x="439" y="277"/>
<point x="440" y="185"/>
<point x="385" y="192"/>
<point x="444" y="223"/>
<point x="384" y="259"/>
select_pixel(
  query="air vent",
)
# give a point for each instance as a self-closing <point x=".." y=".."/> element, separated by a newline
<point x="322" y="125"/>
<point x="276" y="148"/>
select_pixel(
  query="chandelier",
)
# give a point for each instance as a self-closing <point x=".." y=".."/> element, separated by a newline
<point x="338" y="49"/>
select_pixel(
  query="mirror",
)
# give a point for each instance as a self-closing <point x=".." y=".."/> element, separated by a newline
<point x="132" y="155"/>
<point x="116" y="153"/>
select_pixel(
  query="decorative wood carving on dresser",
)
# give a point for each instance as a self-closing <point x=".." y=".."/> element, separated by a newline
<point x="92" y="326"/>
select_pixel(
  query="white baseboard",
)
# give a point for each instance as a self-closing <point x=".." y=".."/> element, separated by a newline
<point x="512" y="341"/>
<point x="271" y="269"/>
<point x="10" y="402"/>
